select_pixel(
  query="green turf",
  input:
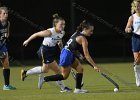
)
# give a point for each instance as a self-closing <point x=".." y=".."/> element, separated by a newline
<point x="99" y="88"/>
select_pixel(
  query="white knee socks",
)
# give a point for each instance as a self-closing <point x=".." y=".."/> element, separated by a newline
<point x="35" y="70"/>
<point x="38" y="70"/>
<point x="137" y="74"/>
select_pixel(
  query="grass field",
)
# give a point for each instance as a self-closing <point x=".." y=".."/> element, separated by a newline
<point x="99" y="88"/>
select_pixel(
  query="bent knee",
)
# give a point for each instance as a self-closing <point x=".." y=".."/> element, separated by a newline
<point x="45" y="70"/>
<point x="80" y="70"/>
<point x="65" y="77"/>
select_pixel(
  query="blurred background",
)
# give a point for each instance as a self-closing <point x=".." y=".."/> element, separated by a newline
<point x="106" y="45"/>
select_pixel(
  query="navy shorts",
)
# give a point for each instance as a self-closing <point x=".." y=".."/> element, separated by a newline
<point x="66" y="58"/>
<point x="135" y="43"/>
<point x="47" y="54"/>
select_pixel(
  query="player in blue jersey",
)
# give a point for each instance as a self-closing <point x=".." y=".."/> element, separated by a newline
<point x="47" y="52"/>
<point x="4" y="34"/>
<point x="68" y="59"/>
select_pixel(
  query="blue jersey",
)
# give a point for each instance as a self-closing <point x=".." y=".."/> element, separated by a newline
<point x="67" y="55"/>
<point x="72" y="44"/>
<point x="3" y="33"/>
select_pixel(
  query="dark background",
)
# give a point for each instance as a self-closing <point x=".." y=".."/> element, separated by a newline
<point x="105" y="42"/>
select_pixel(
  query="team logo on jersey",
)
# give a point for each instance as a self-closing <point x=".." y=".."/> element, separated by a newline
<point x="58" y="37"/>
<point x="137" y="22"/>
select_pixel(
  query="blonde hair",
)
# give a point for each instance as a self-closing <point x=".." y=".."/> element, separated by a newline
<point x="133" y="6"/>
<point x="3" y="8"/>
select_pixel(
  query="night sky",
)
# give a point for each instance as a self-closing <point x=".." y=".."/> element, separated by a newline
<point x="105" y="41"/>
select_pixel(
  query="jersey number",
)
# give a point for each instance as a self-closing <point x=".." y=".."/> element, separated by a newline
<point x="2" y="37"/>
<point x="68" y="43"/>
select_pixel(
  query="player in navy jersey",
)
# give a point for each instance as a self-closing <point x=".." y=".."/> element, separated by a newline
<point x="133" y="26"/>
<point x="47" y="52"/>
<point x="68" y="59"/>
<point x="4" y="34"/>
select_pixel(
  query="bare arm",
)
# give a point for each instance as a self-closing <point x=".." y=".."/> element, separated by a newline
<point x="129" y="25"/>
<point x="82" y="40"/>
<point x="44" y="33"/>
<point x="60" y="44"/>
<point x="8" y="30"/>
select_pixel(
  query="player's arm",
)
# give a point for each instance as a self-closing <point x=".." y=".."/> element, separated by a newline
<point x="8" y="30"/>
<point x="84" y="43"/>
<point x="45" y="33"/>
<point x="128" y="28"/>
<point x="60" y="44"/>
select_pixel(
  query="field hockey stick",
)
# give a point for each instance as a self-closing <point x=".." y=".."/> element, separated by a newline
<point x="105" y="76"/>
<point x="78" y="55"/>
<point x="74" y="76"/>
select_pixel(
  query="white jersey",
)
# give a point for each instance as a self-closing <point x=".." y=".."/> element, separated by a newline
<point x="52" y="40"/>
<point x="136" y="24"/>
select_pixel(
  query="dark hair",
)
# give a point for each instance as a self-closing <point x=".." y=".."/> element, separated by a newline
<point x="84" y="24"/>
<point x="56" y="19"/>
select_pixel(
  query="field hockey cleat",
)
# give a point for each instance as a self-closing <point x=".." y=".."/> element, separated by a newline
<point x="8" y="87"/>
<point x="66" y="89"/>
<point x="23" y="74"/>
<point x="80" y="91"/>
<point x="40" y="81"/>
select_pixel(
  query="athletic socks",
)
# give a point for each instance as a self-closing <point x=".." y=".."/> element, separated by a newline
<point x="6" y="74"/>
<point x="137" y="74"/>
<point x="57" y="77"/>
<point x="79" y="77"/>
<point x="61" y="84"/>
<point x="35" y="70"/>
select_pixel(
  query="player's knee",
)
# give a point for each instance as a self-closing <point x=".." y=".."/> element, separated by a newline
<point x="80" y="70"/>
<point x="6" y="65"/>
<point x="65" y="77"/>
<point x="45" y="70"/>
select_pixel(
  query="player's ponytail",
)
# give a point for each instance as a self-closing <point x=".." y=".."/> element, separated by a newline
<point x="83" y="24"/>
<point x="56" y="19"/>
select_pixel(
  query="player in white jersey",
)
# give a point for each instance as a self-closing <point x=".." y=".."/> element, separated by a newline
<point x="47" y="51"/>
<point x="134" y="23"/>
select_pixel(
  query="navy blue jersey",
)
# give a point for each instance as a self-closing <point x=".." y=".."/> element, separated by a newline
<point x="72" y="44"/>
<point x="3" y="32"/>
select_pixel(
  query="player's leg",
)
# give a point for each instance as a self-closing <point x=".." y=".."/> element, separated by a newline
<point x="65" y="71"/>
<point x="66" y="59"/>
<point x="79" y="75"/>
<point x="137" y="67"/>
<point x="136" y="49"/>
<point x="36" y="70"/>
<point x="54" y="66"/>
<point x="6" y="73"/>
<point x="46" y="60"/>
